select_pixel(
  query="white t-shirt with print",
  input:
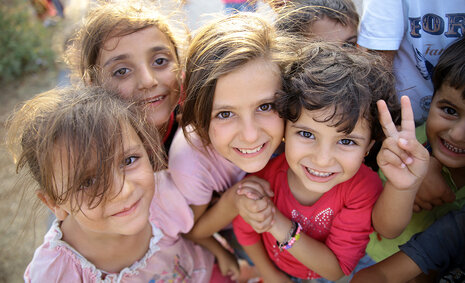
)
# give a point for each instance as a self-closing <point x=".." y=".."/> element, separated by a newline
<point x="419" y="30"/>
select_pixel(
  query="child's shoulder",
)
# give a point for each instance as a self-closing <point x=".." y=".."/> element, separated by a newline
<point x="56" y="259"/>
<point x="169" y="209"/>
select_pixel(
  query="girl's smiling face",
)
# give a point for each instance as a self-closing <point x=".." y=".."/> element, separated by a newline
<point x="319" y="156"/>
<point x="244" y="127"/>
<point x="142" y="66"/>
<point x="125" y="209"/>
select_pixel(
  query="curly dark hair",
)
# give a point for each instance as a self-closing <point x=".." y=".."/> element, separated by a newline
<point x="347" y="81"/>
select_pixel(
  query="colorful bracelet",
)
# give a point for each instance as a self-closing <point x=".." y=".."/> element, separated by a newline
<point x="293" y="236"/>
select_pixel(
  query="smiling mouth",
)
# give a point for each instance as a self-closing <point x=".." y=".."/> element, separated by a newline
<point x="154" y="99"/>
<point x="128" y="210"/>
<point x="318" y="173"/>
<point x="250" y="151"/>
<point x="453" y="148"/>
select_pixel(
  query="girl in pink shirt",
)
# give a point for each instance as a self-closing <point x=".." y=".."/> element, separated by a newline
<point x="115" y="220"/>
<point x="230" y="126"/>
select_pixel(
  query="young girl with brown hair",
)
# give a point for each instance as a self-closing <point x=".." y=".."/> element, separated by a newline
<point x="87" y="151"/>
<point x="135" y="50"/>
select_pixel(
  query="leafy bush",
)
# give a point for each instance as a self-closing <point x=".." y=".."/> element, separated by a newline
<point x="25" y="44"/>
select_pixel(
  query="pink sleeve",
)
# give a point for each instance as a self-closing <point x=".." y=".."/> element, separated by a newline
<point x="54" y="265"/>
<point x="169" y="209"/>
<point x="245" y="234"/>
<point x="199" y="171"/>
<point x="350" y="230"/>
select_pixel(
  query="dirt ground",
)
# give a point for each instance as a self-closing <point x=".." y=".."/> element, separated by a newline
<point x="19" y="237"/>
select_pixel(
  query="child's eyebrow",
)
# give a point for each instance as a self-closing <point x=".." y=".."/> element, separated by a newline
<point x="116" y="58"/>
<point x="125" y="56"/>
<point x="350" y="136"/>
<point x="355" y="136"/>
<point x="134" y="148"/>
<point x="159" y="49"/>
<point x="270" y="99"/>
<point x="354" y="37"/>
<point x="446" y="101"/>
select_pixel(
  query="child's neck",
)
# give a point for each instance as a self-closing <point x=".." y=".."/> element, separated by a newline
<point x="301" y="194"/>
<point x="108" y="253"/>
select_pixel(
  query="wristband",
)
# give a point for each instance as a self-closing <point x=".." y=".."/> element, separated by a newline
<point x="292" y="237"/>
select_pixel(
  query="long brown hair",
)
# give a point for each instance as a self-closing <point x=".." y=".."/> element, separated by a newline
<point x="89" y="122"/>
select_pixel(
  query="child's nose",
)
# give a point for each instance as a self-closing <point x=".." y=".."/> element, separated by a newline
<point x="249" y="130"/>
<point x="147" y="78"/>
<point x="123" y="187"/>
<point x="323" y="156"/>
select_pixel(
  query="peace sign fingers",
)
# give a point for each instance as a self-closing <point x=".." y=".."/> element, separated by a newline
<point x="385" y="119"/>
<point x="408" y="122"/>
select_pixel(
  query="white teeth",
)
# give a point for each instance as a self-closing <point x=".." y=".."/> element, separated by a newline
<point x="318" y="174"/>
<point x="156" y="99"/>
<point x="250" y="151"/>
<point x="453" y="148"/>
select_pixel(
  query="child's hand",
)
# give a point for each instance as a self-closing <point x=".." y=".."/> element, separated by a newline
<point x="254" y="205"/>
<point x="402" y="159"/>
<point x="434" y="190"/>
<point x="228" y="265"/>
<point x="254" y="188"/>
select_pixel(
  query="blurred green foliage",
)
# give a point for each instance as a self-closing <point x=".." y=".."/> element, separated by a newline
<point x="25" y="44"/>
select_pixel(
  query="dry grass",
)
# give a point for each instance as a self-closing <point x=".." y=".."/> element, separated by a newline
<point x="20" y="233"/>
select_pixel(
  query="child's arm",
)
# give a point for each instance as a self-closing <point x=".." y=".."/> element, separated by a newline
<point x="404" y="162"/>
<point x="265" y="267"/>
<point x="226" y="261"/>
<point x="229" y="205"/>
<point x="396" y="268"/>
<point x="434" y="190"/>
<point x="314" y="254"/>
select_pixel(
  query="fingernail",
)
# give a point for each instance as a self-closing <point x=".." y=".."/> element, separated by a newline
<point x="409" y="160"/>
<point x="403" y="141"/>
<point x="402" y="165"/>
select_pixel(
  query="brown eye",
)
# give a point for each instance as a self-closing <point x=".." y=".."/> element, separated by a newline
<point x="121" y="72"/>
<point x="130" y="160"/>
<point x="224" y="114"/>
<point x="265" y="107"/>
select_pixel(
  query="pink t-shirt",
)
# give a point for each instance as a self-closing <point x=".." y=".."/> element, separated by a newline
<point x="170" y="257"/>
<point x="341" y="218"/>
<point x="198" y="171"/>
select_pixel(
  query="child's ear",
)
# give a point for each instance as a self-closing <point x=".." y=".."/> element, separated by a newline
<point x="59" y="212"/>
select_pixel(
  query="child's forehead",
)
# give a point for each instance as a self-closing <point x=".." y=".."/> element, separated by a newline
<point x="455" y="95"/>
<point x="331" y="118"/>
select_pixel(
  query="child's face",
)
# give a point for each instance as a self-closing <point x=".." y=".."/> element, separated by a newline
<point x="445" y="126"/>
<point x="125" y="208"/>
<point x="244" y="127"/>
<point x="319" y="156"/>
<point x="329" y="30"/>
<point x="142" y="67"/>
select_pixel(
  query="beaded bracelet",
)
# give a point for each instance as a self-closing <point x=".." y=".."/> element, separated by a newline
<point x="292" y="237"/>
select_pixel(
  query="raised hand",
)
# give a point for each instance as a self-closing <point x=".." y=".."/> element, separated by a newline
<point x="254" y="204"/>
<point x="402" y="159"/>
